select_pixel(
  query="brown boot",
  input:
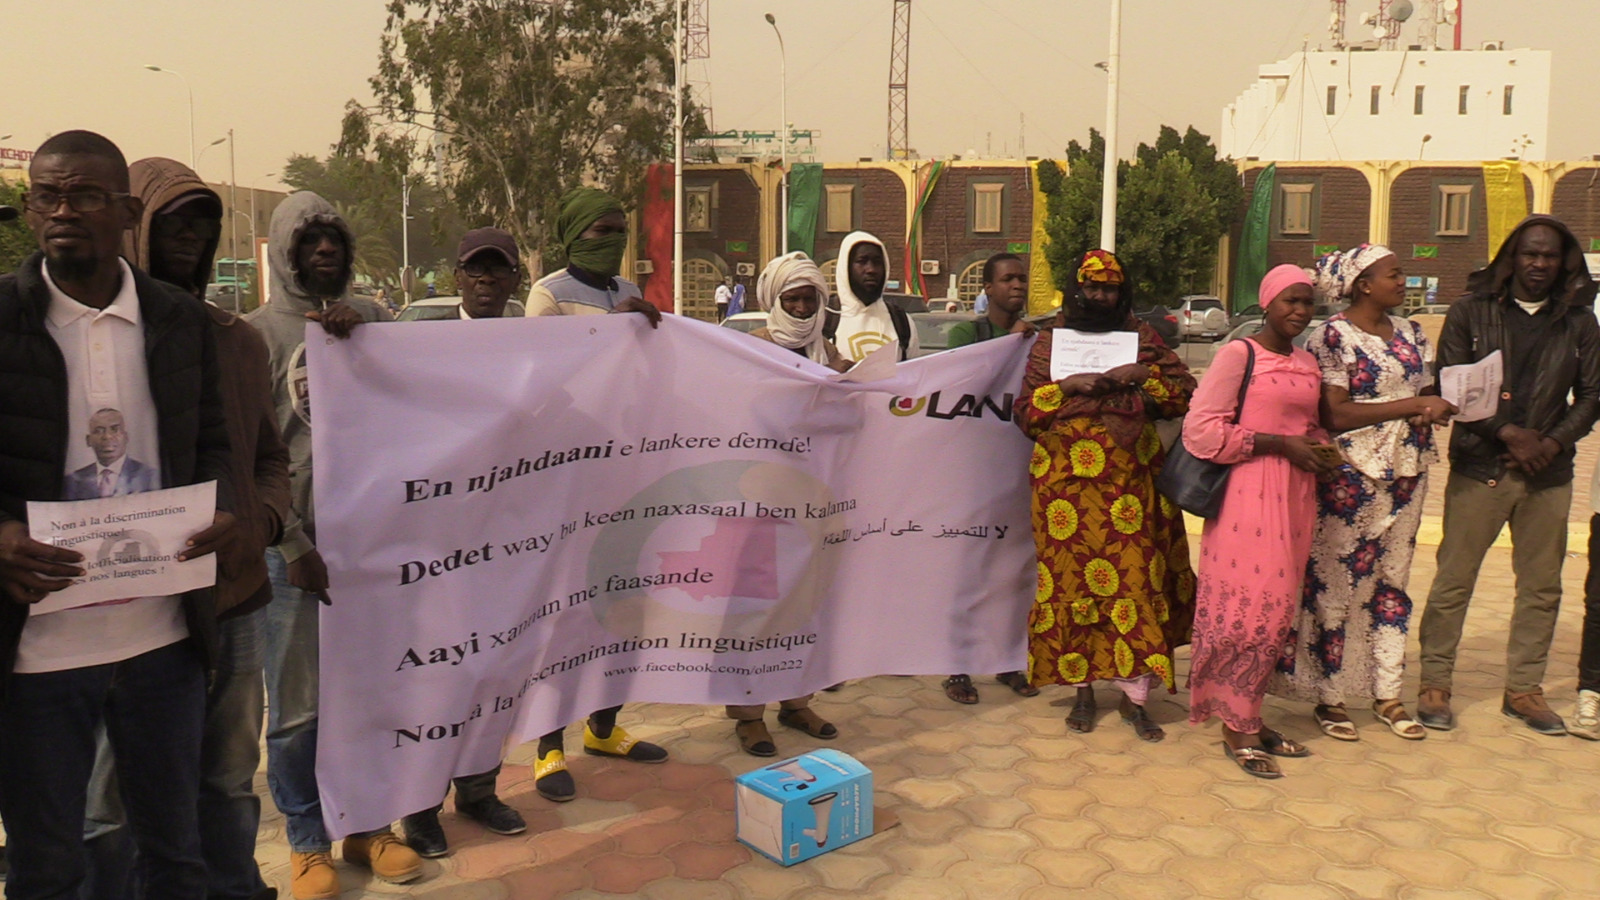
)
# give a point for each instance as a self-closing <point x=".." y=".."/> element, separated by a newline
<point x="1433" y="709"/>
<point x="1531" y="708"/>
<point x="383" y="853"/>
<point x="312" y="876"/>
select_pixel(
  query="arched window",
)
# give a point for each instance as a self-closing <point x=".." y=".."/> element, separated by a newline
<point x="700" y="280"/>
<point x="970" y="284"/>
<point x="828" y="269"/>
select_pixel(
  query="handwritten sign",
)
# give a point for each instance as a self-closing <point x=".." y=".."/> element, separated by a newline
<point x="1077" y="352"/>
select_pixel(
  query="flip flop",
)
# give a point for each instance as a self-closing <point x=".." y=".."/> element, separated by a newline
<point x="1278" y="745"/>
<point x="1018" y="683"/>
<point x="1254" y="761"/>
<point x="1135" y="715"/>
<point x="1081" y="719"/>
<point x="1340" y="729"/>
<point x="1393" y="714"/>
<point x="806" y="719"/>
<point x="959" y="688"/>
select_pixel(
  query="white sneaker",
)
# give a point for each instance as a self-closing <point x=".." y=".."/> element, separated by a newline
<point x="1585" y="722"/>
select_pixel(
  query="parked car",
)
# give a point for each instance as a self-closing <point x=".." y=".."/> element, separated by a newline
<point x="1202" y="316"/>
<point x="746" y="322"/>
<point x="433" y="308"/>
<point x="1251" y="327"/>
<point x="933" y="329"/>
<point x="1163" y="320"/>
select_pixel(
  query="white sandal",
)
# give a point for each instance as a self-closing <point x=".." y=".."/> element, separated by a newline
<point x="1338" y="729"/>
<point x="1393" y="714"/>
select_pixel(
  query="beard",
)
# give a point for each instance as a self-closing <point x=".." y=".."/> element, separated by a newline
<point x="71" y="266"/>
<point x="866" y="295"/>
<point x="323" y="286"/>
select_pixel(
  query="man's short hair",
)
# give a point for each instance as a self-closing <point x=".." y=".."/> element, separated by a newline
<point x="995" y="260"/>
<point x="86" y="143"/>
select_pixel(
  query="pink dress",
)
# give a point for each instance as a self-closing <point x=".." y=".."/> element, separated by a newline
<point x="1253" y="555"/>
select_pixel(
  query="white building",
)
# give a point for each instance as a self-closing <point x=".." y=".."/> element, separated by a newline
<point x="1359" y="104"/>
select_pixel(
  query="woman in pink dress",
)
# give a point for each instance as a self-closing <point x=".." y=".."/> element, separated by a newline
<point x="1253" y="554"/>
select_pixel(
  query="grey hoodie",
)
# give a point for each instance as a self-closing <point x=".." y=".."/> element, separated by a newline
<point x="282" y="322"/>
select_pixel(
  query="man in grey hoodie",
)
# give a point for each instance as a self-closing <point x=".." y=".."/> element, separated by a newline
<point x="309" y="254"/>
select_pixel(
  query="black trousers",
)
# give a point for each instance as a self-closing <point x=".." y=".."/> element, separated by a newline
<point x="1589" y="655"/>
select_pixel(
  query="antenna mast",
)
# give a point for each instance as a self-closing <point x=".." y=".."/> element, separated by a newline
<point x="899" y="72"/>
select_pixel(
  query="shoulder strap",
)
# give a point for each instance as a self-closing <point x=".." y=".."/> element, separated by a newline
<point x="902" y="327"/>
<point x="830" y="324"/>
<point x="1244" y="383"/>
<point x="983" y="329"/>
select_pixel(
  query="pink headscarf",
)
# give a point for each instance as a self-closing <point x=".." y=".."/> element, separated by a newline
<point x="1280" y="279"/>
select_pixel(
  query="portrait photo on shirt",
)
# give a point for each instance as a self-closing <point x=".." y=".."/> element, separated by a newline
<point x="112" y="472"/>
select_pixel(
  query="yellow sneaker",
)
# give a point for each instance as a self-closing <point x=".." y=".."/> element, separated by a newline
<point x="622" y="745"/>
<point x="389" y="859"/>
<point x="551" y="778"/>
<point x="312" y="876"/>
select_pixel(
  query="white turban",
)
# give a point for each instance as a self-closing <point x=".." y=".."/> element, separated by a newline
<point x="785" y="273"/>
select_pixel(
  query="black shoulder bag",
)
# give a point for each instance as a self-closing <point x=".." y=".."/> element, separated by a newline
<point x="1198" y="485"/>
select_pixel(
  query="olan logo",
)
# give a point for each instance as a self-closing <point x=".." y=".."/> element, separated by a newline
<point x="968" y="405"/>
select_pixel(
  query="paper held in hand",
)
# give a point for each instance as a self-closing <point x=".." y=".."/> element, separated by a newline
<point x="1474" y="389"/>
<point x="1076" y="352"/>
<point x="129" y="544"/>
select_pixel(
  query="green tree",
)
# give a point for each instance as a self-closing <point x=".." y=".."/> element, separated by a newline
<point x="529" y="99"/>
<point x="16" y="238"/>
<point x="1175" y="200"/>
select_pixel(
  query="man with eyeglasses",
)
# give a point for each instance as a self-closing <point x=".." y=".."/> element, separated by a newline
<point x="81" y="330"/>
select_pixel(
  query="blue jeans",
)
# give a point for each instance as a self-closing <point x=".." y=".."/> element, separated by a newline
<point x="290" y="633"/>
<point x="230" y="811"/>
<point x="152" y="706"/>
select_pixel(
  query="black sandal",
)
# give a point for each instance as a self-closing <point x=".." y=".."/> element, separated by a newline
<point x="806" y="719"/>
<point x="1018" y="683"/>
<point x="1135" y="715"/>
<point x="1081" y="719"/>
<point x="1278" y="745"/>
<point x="959" y="688"/>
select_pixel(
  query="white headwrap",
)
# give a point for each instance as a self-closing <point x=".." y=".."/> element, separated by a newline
<point x="785" y="273"/>
<point x="1337" y="272"/>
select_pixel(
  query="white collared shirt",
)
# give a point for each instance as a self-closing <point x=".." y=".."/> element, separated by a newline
<point x="106" y="369"/>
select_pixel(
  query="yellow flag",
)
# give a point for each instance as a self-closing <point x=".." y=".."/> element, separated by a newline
<point x="1042" y="294"/>
<point x="1505" y="200"/>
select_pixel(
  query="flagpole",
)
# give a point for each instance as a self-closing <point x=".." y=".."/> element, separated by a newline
<point x="677" y="157"/>
<point x="1108" y="186"/>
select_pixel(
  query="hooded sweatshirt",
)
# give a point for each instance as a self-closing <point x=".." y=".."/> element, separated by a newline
<point x="863" y="327"/>
<point x="282" y="322"/>
<point x="257" y="459"/>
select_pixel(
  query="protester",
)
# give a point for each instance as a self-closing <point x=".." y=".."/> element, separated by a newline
<point x="309" y="257"/>
<point x="593" y="231"/>
<point x="1350" y="636"/>
<point x="487" y="273"/>
<point x="1533" y="303"/>
<point x="82" y="331"/>
<point x="790" y="290"/>
<point x="1253" y="554"/>
<point x="175" y="241"/>
<point x="1115" y="591"/>
<point x="1005" y="274"/>
<point x="864" y="321"/>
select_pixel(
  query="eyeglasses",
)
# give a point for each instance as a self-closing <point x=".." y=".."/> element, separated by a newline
<point x="46" y="201"/>
<point x="478" y="270"/>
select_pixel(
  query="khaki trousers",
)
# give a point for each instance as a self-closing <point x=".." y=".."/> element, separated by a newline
<point x="755" y="712"/>
<point x="1474" y="513"/>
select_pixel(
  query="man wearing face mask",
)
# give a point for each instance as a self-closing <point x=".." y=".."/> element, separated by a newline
<point x="593" y="231"/>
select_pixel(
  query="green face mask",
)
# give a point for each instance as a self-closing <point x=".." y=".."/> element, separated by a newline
<point x="600" y="256"/>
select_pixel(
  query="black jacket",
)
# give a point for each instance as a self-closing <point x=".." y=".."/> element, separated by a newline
<point x="182" y="365"/>
<point x="1568" y="364"/>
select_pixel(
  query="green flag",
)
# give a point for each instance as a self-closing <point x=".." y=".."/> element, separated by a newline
<point x="805" y="200"/>
<point x="1251" y="266"/>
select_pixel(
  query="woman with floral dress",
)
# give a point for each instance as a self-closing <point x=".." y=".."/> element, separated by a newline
<point x="1350" y="636"/>
<point x="1116" y="592"/>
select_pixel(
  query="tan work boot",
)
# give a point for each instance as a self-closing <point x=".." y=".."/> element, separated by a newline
<point x="383" y="853"/>
<point x="1433" y="709"/>
<point x="312" y="876"/>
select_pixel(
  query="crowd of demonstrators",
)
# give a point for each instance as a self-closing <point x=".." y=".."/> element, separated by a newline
<point x="1116" y="593"/>
<point x="124" y="773"/>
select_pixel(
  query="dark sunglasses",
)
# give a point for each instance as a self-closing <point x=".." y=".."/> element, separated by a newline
<point x="478" y="270"/>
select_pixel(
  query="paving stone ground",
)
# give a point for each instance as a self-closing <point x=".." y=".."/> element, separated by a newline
<point x="999" y="801"/>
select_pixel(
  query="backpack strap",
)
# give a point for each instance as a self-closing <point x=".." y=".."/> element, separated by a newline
<point x="983" y="329"/>
<point x="902" y="327"/>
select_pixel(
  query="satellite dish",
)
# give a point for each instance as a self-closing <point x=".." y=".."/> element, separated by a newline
<point x="1452" y="5"/>
<point x="1368" y="18"/>
<point x="1379" y="32"/>
<point x="1401" y="10"/>
<point x="1451" y="18"/>
<point x="1333" y="19"/>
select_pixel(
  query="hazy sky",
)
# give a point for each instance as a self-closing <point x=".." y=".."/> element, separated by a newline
<point x="280" y="71"/>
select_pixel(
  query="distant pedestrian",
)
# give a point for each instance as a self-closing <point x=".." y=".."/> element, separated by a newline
<point x="1115" y="593"/>
<point x="1253" y="554"/>
<point x="736" y="305"/>
<point x="1377" y="398"/>
<point x="723" y="297"/>
<point x="1533" y="304"/>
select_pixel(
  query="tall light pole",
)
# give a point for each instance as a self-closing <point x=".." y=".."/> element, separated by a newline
<point x="233" y="225"/>
<point x="783" y="79"/>
<point x="203" y="152"/>
<point x="1108" y="186"/>
<point x="191" y="107"/>
<point x="677" y="156"/>
<point x="405" y="232"/>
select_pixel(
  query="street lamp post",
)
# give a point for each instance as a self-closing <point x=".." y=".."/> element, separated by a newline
<point x="191" y="107"/>
<point x="783" y="79"/>
<point x="1108" y="186"/>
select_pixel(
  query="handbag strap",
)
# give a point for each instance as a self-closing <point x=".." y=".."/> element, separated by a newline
<point x="1244" y="383"/>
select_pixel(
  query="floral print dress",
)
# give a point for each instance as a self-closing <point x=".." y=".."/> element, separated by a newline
<point x="1349" y="638"/>
<point x="1115" y="589"/>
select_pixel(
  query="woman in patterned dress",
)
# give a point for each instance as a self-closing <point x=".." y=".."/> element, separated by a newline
<point x="1253" y="554"/>
<point x="1350" y="637"/>
<point x="1115" y="593"/>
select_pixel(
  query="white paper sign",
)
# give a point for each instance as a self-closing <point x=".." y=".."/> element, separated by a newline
<point x="1076" y="352"/>
<point x="129" y="544"/>
<point x="1474" y="389"/>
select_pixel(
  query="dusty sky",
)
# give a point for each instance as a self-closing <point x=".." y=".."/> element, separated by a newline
<point x="279" y="71"/>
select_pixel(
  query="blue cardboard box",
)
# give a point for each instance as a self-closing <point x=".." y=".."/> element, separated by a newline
<point x="806" y="806"/>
